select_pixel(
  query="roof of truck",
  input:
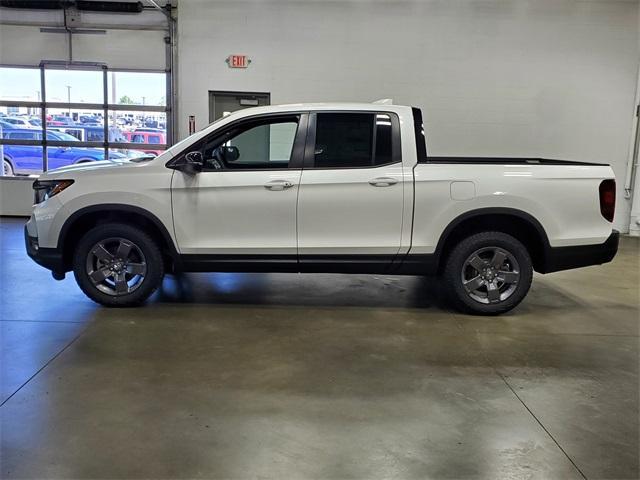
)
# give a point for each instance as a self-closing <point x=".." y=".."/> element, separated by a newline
<point x="317" y="106"/>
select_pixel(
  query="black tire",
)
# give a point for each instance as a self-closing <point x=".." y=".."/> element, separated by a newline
<point x="146" y="249"/>
<point x="7" y="168"/>
<point x="457" y="266"/>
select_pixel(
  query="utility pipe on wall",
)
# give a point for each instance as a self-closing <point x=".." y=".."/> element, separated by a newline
<point x="632" y="180"/>
<point x="633" y="142"/>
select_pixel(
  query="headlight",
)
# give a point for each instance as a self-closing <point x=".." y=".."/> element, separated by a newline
<point x="45" y="189"/>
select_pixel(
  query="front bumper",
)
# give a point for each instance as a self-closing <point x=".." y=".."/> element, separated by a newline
<point x="50" y="258"/>
<point x="565" y="258"/>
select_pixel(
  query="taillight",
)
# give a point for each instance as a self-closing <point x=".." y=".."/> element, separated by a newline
<point x="608" y="199"/>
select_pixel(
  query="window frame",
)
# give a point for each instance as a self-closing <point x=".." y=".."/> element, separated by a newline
<point x="297" y="151"/>
<point x="310" y="147"/>
<point x="43" y="104"/>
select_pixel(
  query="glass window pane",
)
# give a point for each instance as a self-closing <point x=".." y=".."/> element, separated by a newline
<point x="383" y="139"/>
<point x="22" y="134"/>
<point x="19" y="84"/>
<point x="138" y="122"/>
<point x="343" y="140"/>
<point x="266" y="145"/>
<point x="75" y="86"/>
<point x="63" y="156"/>
<point x="81" y="124"/>
<point x="19" y="118"/>
<point x="281" y="138"/>
<point x="134" y="88"/>
<point x="145" y="128"/>
<point x="22" y="160"/>
<point x="27" y="160"/>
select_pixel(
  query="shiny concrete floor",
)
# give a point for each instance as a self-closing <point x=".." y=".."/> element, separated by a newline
<point x="325" y="376"/>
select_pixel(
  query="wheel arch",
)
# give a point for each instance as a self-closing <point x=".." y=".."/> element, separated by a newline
<point x="521" y="225"/>
<point x="86" y="218"/>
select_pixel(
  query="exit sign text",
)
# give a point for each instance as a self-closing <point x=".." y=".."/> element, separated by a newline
<point x="238" y="61"/>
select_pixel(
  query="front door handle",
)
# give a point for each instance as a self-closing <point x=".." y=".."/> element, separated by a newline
<point x="383" y="182"/>
<point x="278" y="185"/>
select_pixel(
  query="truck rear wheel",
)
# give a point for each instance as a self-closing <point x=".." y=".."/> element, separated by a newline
<point x="488" y="273"/>
<point x="118" y="265"/>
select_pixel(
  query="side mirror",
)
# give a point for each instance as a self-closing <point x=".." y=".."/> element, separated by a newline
<point x="191" y="163"/>
<point x="194" y="161"/>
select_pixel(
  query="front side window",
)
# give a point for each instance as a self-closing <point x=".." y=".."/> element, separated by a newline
<point x="352" y="140"/>
<point x="262" y="144"/>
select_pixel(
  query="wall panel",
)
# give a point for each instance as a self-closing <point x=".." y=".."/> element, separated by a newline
<point x="549" y="78"/>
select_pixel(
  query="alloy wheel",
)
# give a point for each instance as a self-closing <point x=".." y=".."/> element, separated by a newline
<point x="490" y="275"/>
<point x="116" y="266"/>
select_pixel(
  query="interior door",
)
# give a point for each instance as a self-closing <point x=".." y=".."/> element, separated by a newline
<point x="351" y="192"/>
<point x="243" y="203"/>
<point x="223" y="103"/>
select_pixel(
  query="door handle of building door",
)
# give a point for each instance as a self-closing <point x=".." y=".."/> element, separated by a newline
<point x="278" y="185"/>
<point x="383" y="182"/>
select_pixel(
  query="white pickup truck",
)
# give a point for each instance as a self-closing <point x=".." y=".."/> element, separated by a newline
<point x="344" y="188"/>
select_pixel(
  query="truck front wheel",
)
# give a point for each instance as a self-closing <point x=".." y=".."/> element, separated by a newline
<point x="118" y="265"/>
<point x="488" y="273"/>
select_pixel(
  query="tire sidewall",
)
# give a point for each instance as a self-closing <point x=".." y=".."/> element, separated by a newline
<point x="10" y="167"/>
<point x="455" y="263"/>
<point x="153" y="256"/>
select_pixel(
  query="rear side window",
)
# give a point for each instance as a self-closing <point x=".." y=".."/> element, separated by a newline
<point x="353" y="140"/>
<point x="22" y="135"/>
<point x="155" y="139"/>
<point x="421" y="141"/>
<point x="383" y="152"/>
<point x="95" y="135"/>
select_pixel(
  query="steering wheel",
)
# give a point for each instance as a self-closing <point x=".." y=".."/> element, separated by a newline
<point x="216" y="159"/>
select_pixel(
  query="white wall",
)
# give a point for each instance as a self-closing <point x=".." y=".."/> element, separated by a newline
<point x="124" y="48"/>
<point x="16" y="196"/>
<point x="549" y="78"/>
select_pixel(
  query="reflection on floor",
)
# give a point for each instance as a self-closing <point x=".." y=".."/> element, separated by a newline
<point x="323" y="376"/>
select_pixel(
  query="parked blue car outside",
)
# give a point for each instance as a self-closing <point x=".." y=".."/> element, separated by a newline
<point x="27" y="159"/>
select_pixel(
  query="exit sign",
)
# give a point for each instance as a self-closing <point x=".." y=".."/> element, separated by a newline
<point x="238" y="61"/>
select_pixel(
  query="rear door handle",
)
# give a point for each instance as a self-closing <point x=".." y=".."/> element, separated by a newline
<point x="278" y="185"/>
<point x="383" y="182"/>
